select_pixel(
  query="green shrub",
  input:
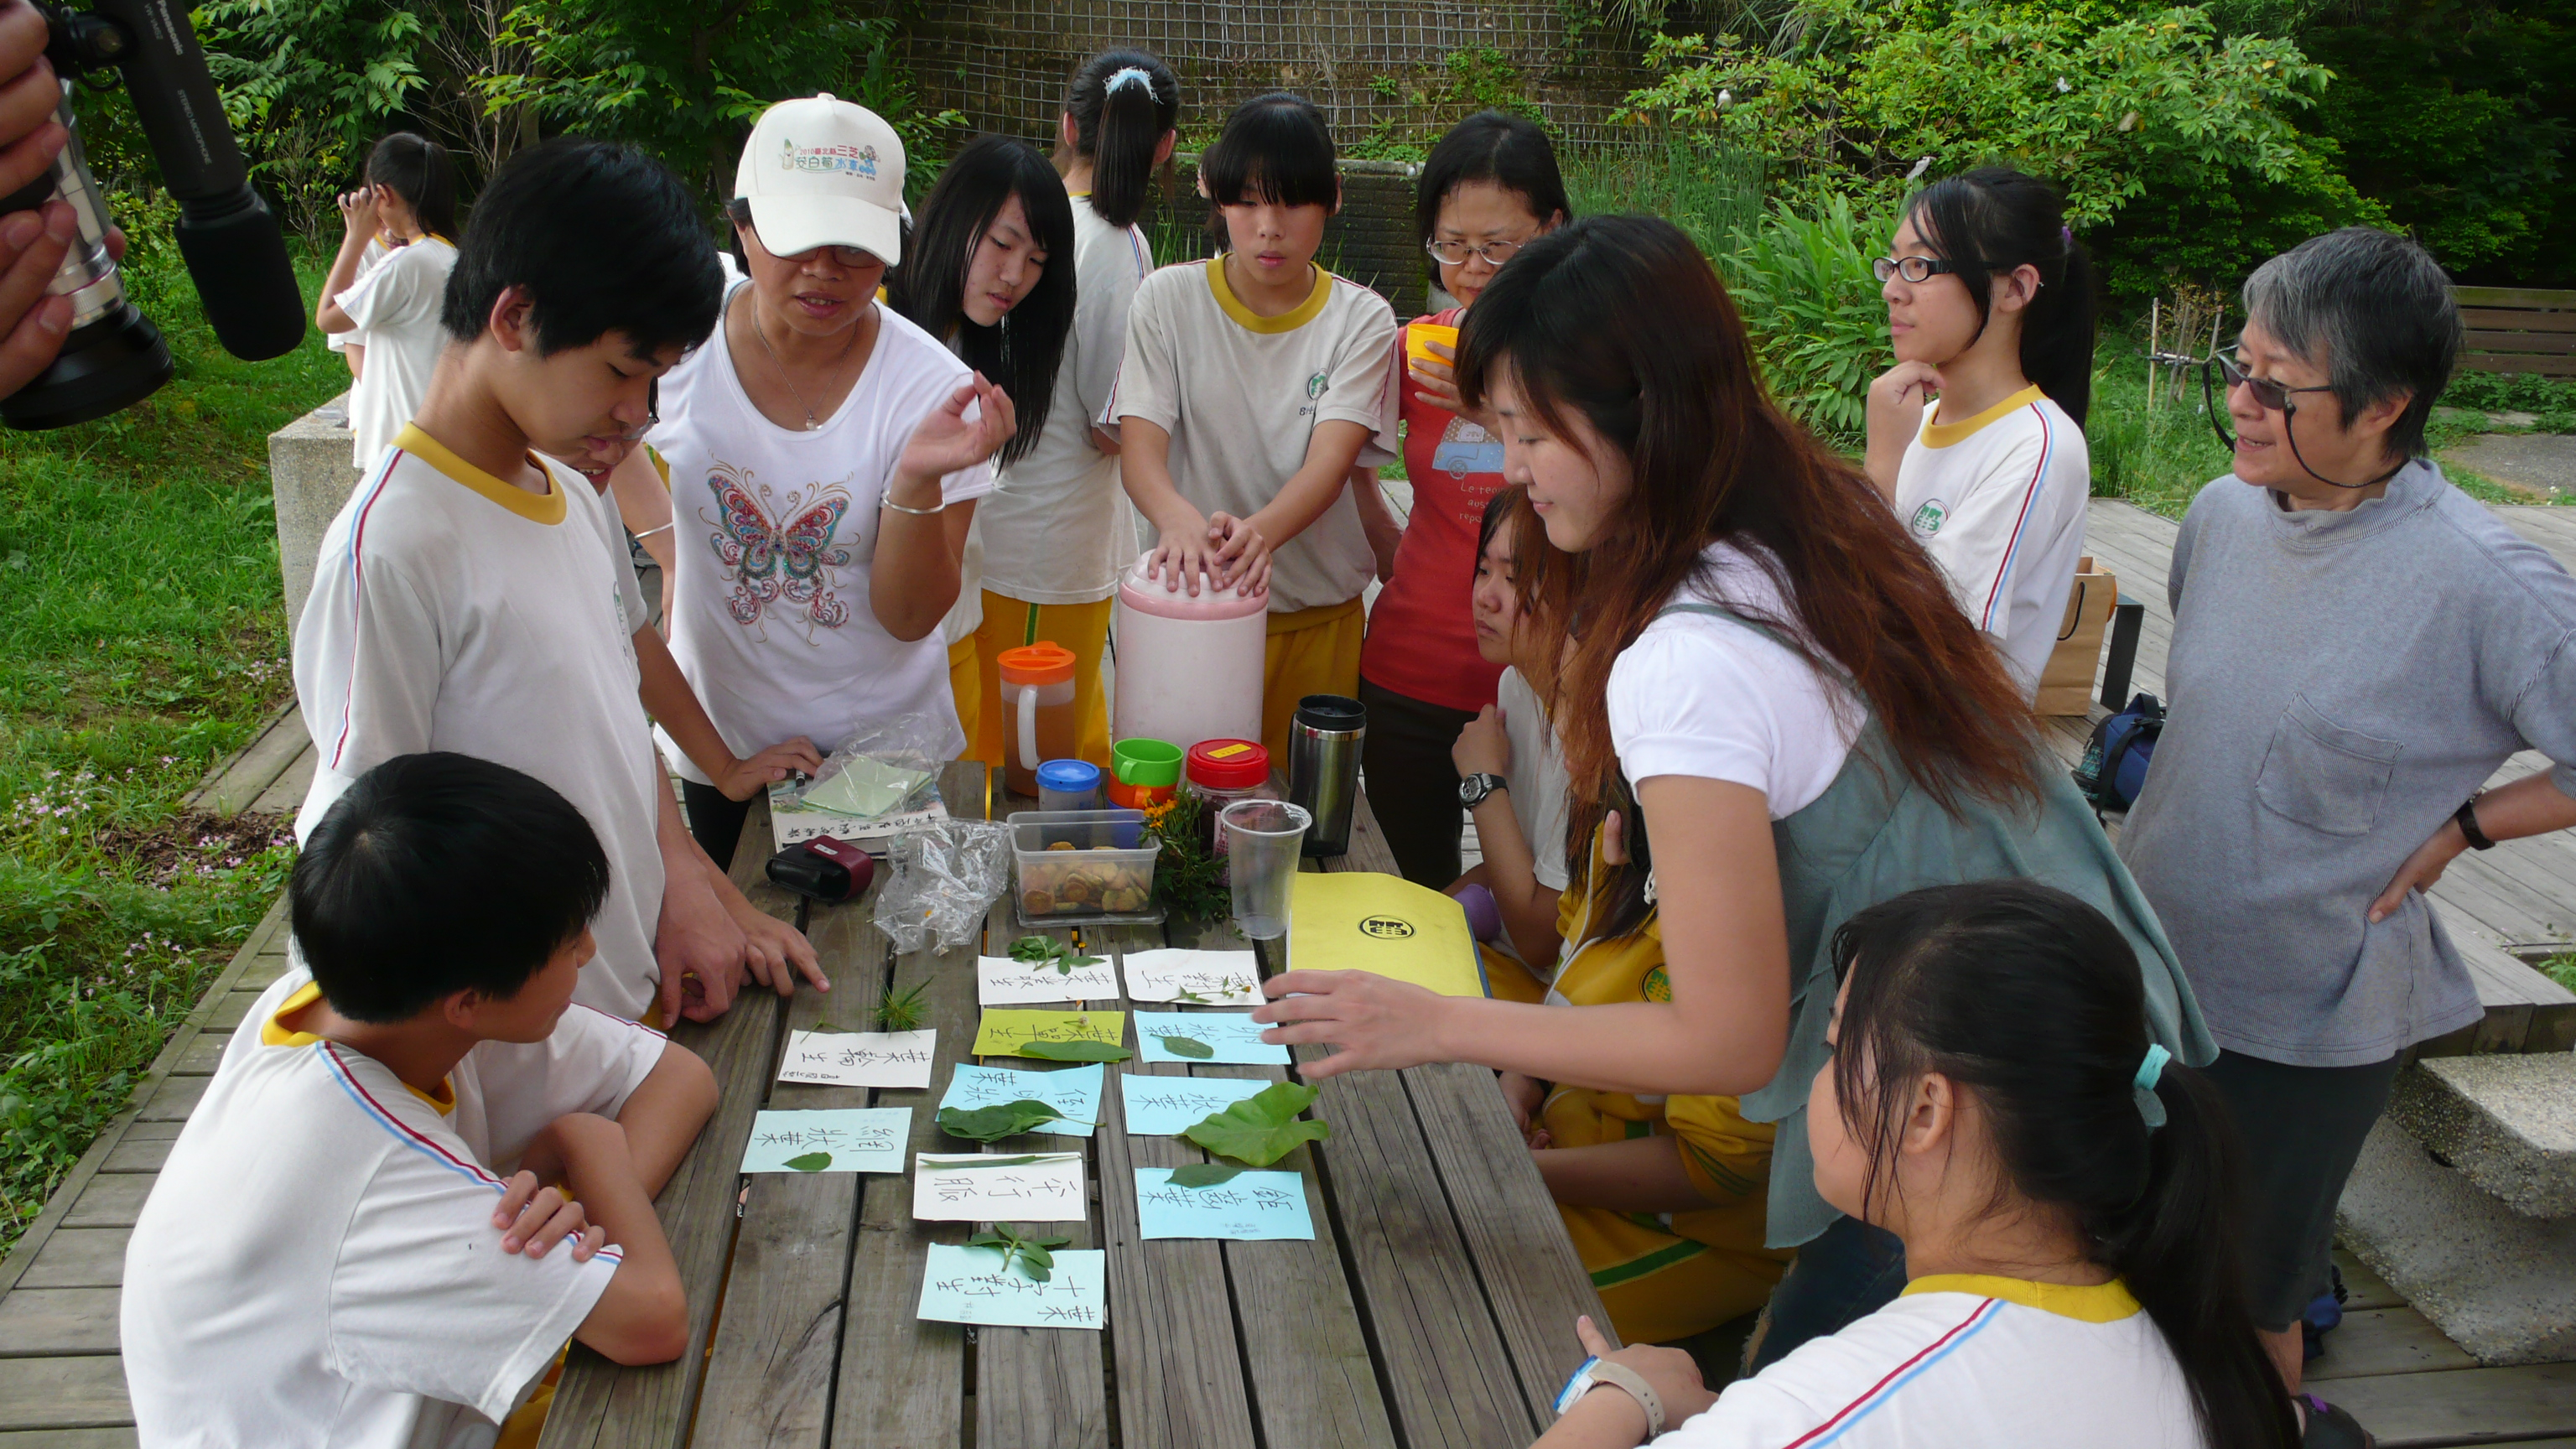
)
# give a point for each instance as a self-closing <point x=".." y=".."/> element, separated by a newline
<point x="1804" y="286"/>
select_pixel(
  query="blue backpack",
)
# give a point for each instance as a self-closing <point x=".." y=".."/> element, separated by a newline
<point x="2116" y="759"/>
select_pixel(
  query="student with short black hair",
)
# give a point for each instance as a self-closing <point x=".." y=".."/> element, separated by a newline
<point x="1255" y="385"/>
<point x="383" y="292"/>
<point x="1990" y="306"/>
<point x="350" y="1244"/>
<point x="473" y="595"/>
<point x="2063" y="1188"/>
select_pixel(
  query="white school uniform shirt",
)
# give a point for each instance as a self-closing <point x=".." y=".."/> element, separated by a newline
<point x="1713" y="697"/>
<point x="776" y="530"/>
<point x="1241" y="394"/>
<point x="396" y="308"/>
<point x="1967" y="1362"/>
<point x="1536" y="778"/>
<point x="1998" y="501"/>
<point x="1058" y="528"/>
<point x="316" y="1267"/>
<point x="373" y="252"/>
<point x="453" y="611"/>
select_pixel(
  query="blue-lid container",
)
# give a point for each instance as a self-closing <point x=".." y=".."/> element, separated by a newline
<point x="1068" y="785"/>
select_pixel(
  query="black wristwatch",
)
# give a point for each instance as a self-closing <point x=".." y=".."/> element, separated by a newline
<point x="1473" y="790"/>
<point x="2467" y="816"/>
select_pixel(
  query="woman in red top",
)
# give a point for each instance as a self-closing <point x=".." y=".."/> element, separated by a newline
<point x="1490" y="186"/>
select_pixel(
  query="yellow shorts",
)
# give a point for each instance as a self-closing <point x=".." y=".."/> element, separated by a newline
<point x="1010" y="623"/>
<point x="965" y="681"/>
<point x="1312" y="651"/>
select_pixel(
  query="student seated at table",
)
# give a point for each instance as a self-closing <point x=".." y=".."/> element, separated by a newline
<point x="350" y="1244"/>
<point x="1511" y="776"/>
<point x="1995" y="1100"/>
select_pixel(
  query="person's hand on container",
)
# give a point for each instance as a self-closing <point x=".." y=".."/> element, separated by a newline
<point x="1483" y="748"/>
<point x="1378" y="1022"/>
<point x="33" y="324"/>
<point x="1243" y="553"/>
<point x="1186" y="558"/>
<point x="749" y="777"/>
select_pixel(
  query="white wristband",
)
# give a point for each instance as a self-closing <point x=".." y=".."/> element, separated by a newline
<point x="1597" y="1372"/>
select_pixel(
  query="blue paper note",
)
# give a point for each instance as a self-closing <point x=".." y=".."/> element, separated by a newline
<point x="1249" y="1205"/>
<point x="969" y="1285"/>
<point x="1074" y="1091"/>
<point x="847" y="1139"/>
<point x="1170" y="1106"/>
<point x="1234" y="1036"/>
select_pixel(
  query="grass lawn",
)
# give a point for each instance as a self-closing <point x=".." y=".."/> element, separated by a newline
<point x="141" y="638"/>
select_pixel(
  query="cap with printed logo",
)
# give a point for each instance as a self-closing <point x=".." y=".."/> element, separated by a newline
<point x="820" y="172"/>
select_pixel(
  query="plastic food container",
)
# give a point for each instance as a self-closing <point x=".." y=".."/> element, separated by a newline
<point x="1068" y="785"/>
<point x="1083" y="862"/>
<point x="1189" y="666"/>
<point x="1221" y="772"/>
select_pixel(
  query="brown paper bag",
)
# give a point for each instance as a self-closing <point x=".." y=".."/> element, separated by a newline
<point x="2066" y="685"/>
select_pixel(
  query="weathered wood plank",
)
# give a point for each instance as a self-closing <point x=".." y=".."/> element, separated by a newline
<point x="111" y="1200"/>
<point x="285" y="794"/>
<point x="2534" y="298"/>
<point x="63" y="1393"/>
<point x="49" y="1322"/>
<point x="229" y="1009"/>
<point x="2378" y="1341"/>
<point x="2462" y="1406"/>
<point x="117" y="1438"/>
<point x="204" y="1053"/>
<point x="143" y="1147"/>
<point x="2363" y="1288"/>
<point x="78" y="1258"/>
<point x="238" y="779"/>
<point x="176" y="1097"/>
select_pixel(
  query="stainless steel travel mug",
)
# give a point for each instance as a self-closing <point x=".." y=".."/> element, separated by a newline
<point x="1324" y="767"/>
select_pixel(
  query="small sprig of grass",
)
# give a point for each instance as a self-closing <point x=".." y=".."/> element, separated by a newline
<point x="901" y="1010"/>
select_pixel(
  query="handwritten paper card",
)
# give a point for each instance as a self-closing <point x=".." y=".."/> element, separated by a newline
<point x="980" y="1187"/>
<point x="1004" y="1032"/>
<point x="1001" y="981"/>
<point x="857" y="1139"/>
<point x="1217" y="978"/>
<point x="859" y="1058"/>
<point x="970" y="1285"/>
<point x="1170" y="1106"/>
<point x="1249" y="1205"/>
<point x="1075" y="1092"/>
<point x="1229" y="1036"/>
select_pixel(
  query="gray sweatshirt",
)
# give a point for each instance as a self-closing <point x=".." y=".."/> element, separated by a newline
<point x="2340" y="682"/>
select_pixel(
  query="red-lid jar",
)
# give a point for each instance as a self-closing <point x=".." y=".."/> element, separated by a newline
<point x="1228" y="765"/>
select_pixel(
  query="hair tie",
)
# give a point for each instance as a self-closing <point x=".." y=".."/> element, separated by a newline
<point x="1129" y="75"/>
<point x="2066" y="236"/>
<point x="2151" y="1069"/>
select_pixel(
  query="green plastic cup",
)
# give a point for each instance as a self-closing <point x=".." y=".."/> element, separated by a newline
<point x="1153" y="764"/>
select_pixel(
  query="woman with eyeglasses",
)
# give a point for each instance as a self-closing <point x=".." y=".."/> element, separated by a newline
<point x="1990" y="308"/>
<point x="2357" y="648"/>
<point x="825" y="458"/>
<point x="1490" y="186"/>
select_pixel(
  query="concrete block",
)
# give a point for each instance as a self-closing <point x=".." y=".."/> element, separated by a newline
<point x="310" y="474"/>
<point x="2501" y="1285"/>
<point x="2507" y="1123"/>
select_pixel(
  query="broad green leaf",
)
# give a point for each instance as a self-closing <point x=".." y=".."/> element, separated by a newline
<point x="1203" y="1174"/>
<point x="1075" y="1051"/>
<point x="811" y="1162"/>
<point x="1261" y="1128"/>
<point x="1033" y="948"/>
<point x="1003" y="1119"/>
<point x="1187" y="1046"/>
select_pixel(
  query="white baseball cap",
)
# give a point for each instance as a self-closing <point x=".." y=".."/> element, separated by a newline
<point x="823" y="172"/>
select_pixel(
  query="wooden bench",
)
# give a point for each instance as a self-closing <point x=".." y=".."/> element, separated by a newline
<point x="2517" y="329"/>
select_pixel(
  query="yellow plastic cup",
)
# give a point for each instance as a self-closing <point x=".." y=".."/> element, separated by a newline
<point x="1419" y="335"/>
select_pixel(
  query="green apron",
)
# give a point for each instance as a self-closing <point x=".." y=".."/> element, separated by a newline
<point x="1874" y="835"/>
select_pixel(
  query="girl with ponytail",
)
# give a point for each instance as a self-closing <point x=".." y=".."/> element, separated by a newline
<point x="2063" y="1190"/>
<point x="1990" y="306"/>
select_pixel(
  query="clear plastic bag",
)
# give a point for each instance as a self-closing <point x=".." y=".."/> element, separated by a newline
<point x="940" y="880"/>
<point x="886" y="767"/>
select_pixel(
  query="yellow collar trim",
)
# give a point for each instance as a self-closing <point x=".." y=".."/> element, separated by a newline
<point x="1941" y="435"/>
<point x="2084" y="1302"/>
<point x="274" y="1032"/>
<point x="1251" y="321"/>
<point x="547" y="508"/>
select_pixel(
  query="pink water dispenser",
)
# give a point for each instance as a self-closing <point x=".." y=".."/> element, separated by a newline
<point x="1189" y="666"/>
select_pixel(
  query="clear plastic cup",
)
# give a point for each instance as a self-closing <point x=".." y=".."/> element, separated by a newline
<point x="1264" y="841"/>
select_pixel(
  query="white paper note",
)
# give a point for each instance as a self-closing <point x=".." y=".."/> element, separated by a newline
<point x="1217" y="978"/>
<point x="1002" y="981"/>
<point x="979" y="1187"/>
<point x="859" y="1058"/>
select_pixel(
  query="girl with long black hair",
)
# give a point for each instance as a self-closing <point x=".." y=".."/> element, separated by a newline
<point x="1989" y="306"/>
<point x="385" y="285"/>
<point x="2064" y="1191"/>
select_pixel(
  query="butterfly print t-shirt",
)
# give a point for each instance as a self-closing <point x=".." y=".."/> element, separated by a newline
<point x="776" y="529"/>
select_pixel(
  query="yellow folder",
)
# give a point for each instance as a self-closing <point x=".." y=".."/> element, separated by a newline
<point x="1363" y="921"/>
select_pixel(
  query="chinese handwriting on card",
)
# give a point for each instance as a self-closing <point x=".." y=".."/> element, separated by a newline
<point x="1215" y="978"/>
<point x="1074" y="1091"/>
<point x="1170" y="1106"/>
<point x="1002" y="981"/>
<point x="861" y="1139"/>
<point x="859" y="1058"/>
<point x="970" y="1285"/>
<point x="1245" y="1206"/>
<point x="1043" y="1188"/>
<point x="1002" y="1033"/>
<point x="1229" y="1036"/>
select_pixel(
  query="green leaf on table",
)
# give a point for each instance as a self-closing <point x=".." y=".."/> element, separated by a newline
<point x="1192" y="997"/>
<point x="1003" y="1119"/>
<point x="810" y="1162"/>
<point x="1187" y="1046"/>
<point x="1203" y="1174"/>
<point x="1075" y="1051"/>
<point x="901" y="1011"/>
<point x="1263" y="1127"/>
<point x="1042" y="952"/>
<point x="1033" y="948"/>
<point x="1031" y="1252"/>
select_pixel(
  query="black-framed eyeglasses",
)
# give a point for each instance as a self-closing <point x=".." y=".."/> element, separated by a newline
<point x="739" y="211"/>
<point x="652" y="412"/>
<point x="2271" y="396"/>
<point x="1913" y="269"/>
<point x="1456" y="253"/>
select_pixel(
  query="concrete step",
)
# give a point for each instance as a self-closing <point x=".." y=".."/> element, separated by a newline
<point x="2497" y="1282"/>
<point x="2506" y="1123"/>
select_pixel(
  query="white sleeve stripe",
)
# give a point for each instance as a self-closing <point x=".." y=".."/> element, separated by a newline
<point x="462" y="1167"/>
<point x="2030" y="495"/>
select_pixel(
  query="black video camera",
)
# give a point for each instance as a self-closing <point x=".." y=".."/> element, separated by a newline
<point x="114" y="356"/>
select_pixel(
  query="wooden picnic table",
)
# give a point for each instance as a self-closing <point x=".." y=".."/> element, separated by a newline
<point x="1434" y="1306"/>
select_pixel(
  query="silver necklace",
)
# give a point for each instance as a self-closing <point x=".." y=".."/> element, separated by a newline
<point x="811" y="422"/>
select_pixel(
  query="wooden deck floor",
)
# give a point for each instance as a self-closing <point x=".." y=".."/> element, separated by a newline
<point x="62" y="1384"/>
